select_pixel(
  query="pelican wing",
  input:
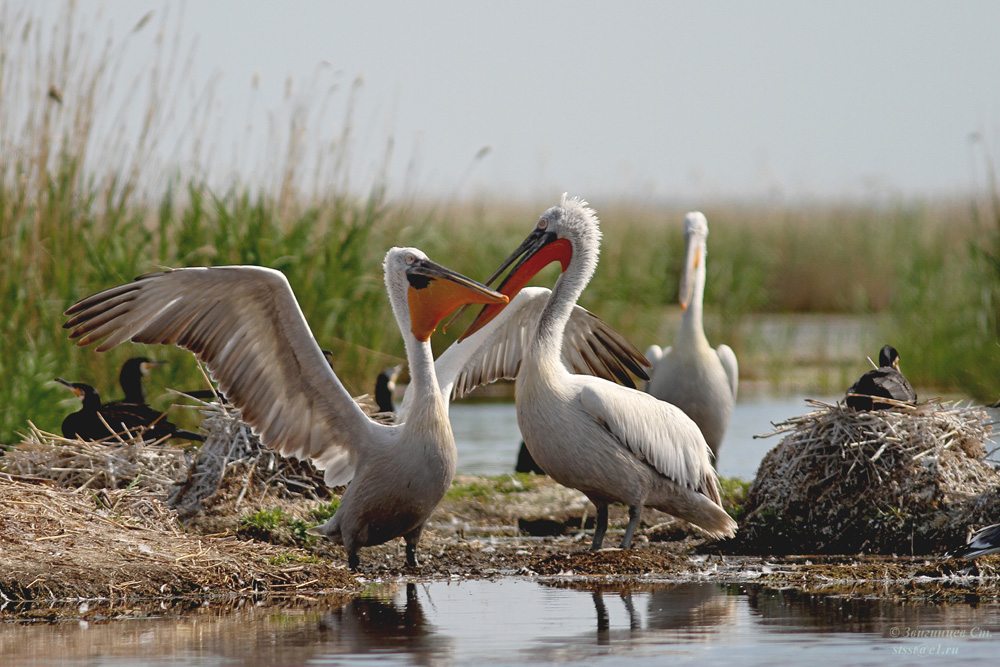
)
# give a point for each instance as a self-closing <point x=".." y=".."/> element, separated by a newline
<point x="728" y="359"/>
<point x="654" y="431"/>
<point x="590" y="347"/>
<point x="244" y="323"/>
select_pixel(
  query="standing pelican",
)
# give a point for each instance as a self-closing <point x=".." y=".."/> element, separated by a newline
<point x="699" y="380"/>
<point x="613" y="443"/>
<point x="244" y="323"/>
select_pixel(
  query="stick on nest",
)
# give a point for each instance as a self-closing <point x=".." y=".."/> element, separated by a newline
<point x="233" y="469"/>
<point x="905" y="480"/>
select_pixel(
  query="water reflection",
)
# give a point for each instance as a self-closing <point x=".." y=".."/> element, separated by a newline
<point x="782" y="610"/>
<point x="370" y="624"/>
<point x="515" y="621"/>
<point x="688" y="612"/>
<point x="675" y="614"/>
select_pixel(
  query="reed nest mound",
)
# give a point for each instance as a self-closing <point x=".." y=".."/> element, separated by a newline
<point x="113" y="463"/>
<point x="125" y="544"/>
<point x="908" y="480"/>
<point x="208" y="485"/>
<point x="232" y="472"/>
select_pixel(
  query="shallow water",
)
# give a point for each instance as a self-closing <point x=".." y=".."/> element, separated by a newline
<point x="526" y="621"/>
<point x="488" y="438"/>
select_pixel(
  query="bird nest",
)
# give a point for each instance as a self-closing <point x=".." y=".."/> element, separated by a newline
<point x="230" y="472"/>
<point x="112" y="463"/>
<point x="907" y="480"/>
<point x="233" y="470"/>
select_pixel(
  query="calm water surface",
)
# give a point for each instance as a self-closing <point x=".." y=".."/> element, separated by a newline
<point x="531" y="621"/>
<point x="524" y="621"/>
<point x="488" y="438"/>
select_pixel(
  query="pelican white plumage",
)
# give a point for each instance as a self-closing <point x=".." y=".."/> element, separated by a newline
<point x="613" y="443"/>
<point x="590" y="347"/>
<point x="244" y="323"/>
<point x="690" y="374"/>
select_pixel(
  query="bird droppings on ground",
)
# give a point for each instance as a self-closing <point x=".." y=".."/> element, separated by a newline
<point x="908" y="480"/>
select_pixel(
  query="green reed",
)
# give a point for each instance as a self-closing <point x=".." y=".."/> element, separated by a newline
<point x="79" y="214"/>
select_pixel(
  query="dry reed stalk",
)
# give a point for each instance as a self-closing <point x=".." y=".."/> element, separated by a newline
<point x="112" y="463"/>
<point x="910" y="479"/>
<point x="233" y="470"/>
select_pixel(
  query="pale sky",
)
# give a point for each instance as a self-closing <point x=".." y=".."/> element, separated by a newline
<point x="660" y="100"/>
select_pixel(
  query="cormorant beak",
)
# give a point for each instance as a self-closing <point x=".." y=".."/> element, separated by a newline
<point x="537" y="251"/>
<point x="435" y="291"/>
<point x="692" y="257"/>
<point x="67" y="383"/>
<point x="146" y="365"/>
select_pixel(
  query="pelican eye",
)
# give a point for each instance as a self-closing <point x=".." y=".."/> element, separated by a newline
<point x="410" y="258"/>
<point x="543" y="223"/>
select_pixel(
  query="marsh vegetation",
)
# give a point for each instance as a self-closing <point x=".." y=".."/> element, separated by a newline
<point x="87" y="202"/>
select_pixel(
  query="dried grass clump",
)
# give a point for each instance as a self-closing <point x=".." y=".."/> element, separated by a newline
<point x="233" y="470"/>
<point x="112" y="463"/>
<point x="116" y="544"/>
<point x="907" y="480"/>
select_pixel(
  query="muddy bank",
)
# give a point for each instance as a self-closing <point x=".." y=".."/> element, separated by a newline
<point x="122" y="552"/>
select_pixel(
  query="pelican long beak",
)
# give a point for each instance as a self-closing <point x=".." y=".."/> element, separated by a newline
<point x="537" y="251"/>
<point x="692" y="258"/>
<point x="435" y="291"/>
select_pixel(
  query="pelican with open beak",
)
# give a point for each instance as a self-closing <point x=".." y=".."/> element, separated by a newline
<point x="613" y="443"/>
<point x="245" y="324"/>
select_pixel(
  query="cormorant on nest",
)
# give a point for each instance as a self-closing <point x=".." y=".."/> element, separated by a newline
<point x="883" y="382"/>
<point x="88" y="423"/>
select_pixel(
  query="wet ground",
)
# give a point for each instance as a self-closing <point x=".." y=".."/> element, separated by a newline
<point x="506" y="577"/>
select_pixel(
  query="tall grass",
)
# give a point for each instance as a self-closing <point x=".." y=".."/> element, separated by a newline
<point x="75" y="218"/>
<point x="80" y="211"/>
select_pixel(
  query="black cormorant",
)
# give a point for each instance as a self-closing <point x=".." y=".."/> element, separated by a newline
<point x="131" y="376"/>
<point x="384" y="386"/>
<point x="884" y="382"/>
<point x="88" y="423"/>
<point x="985" y="541"/>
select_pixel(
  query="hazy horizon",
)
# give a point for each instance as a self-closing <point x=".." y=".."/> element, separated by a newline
<point x="775" y="100"/>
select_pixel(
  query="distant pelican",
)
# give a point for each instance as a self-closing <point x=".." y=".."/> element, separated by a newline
<point x="699" y="380"/>
<point x="613" y="443"/>
<point x="244" y="323"/>
<point x="885" y="381"/>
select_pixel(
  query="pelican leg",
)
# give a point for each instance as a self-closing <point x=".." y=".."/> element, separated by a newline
<point x="634" y="512"/>
<point x="601" y="527"/>
<point x="412" y="538"/>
